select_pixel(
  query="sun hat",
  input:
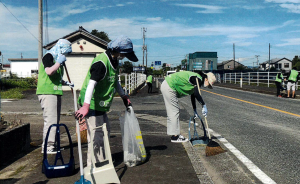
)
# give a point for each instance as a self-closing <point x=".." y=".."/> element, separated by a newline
<point x="123" y="44"/>
<point x="211" y="79"/>
<point x="62" y="46"/>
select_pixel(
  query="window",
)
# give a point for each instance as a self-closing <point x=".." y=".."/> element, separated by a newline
<point x="34" y="71"/>
<point x="279" y="65"/>
<point x="78" y="42"/>
<point x="286" y="65"/>
<point x="228" y="66"/>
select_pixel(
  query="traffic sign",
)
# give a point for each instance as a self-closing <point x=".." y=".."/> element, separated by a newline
<point x="157" y="62"/>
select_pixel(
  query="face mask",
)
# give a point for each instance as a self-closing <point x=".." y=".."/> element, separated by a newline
<point x="120" y="58"/>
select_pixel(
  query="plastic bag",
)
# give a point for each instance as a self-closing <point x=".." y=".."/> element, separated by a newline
<point x="133" y="146"/>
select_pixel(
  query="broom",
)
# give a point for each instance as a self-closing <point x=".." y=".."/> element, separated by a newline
<point x="82" y="123"/>
<point x="212" y="148"/>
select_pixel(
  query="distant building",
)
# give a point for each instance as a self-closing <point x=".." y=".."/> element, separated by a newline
<point x="24" y="67"/>
<point x="202" y="61"/>
<point x="228" y="65"/>
<point x="283" y="63"/>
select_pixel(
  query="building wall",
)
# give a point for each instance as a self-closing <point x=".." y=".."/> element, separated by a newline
<point x="86" y="45"/>
<point x="230" y="65"/>
<point x="23" y="69"/>
<point x="204" y="59"/>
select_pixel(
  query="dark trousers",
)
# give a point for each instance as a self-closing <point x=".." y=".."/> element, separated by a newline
<point x="279" y="87"/>
<point x="149" y="87"/>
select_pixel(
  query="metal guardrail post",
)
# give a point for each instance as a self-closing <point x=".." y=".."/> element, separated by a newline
<point x="249" y="77"/>
<point x="268" y="79"/>
<point x="257" y="79"/>
<point x="241" y="82"/>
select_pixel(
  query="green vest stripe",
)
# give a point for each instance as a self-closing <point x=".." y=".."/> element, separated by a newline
<point x="50" y="85"/>
<point x="104" y="90"/>
<point x="180" y="83"/>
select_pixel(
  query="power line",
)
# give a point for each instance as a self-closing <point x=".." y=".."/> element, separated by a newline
<point x="18" y="20"/>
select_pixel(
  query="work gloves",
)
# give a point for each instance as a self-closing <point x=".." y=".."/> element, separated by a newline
<point x="126" y="101"/>
<point x="83" y="111"/>
<point x="61" y="59"/>
<point x="204" y="110"/>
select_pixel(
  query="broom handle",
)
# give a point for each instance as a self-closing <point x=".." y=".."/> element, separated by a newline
<point x="77" y="126"/>
<point x="207" y="127"/>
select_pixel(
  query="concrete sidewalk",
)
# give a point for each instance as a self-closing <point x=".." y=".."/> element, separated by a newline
<point x="166" y="162"/>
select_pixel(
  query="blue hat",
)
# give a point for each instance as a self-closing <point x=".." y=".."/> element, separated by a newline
<point x="123" y="44"/>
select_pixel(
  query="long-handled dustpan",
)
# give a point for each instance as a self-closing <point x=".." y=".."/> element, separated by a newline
<point x="196" y="140"/>
<point x="82" y="180"/>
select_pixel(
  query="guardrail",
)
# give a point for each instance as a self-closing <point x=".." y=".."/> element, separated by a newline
<point x="132" y="81"/>
<point x="263" y="78"/>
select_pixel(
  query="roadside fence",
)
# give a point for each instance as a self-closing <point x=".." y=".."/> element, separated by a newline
<point x="256" y="78"/>
<point x="132" y="81"/>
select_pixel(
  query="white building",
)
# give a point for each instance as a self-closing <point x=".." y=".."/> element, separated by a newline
<point x="277" y="63"/>
<point x="24" y="67"/>
<point x="85" y="47"/>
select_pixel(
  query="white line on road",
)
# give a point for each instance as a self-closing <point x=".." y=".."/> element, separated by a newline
<point x="248" y="163"/>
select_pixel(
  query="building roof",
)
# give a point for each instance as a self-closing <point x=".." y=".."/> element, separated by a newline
<point x="80" y="33"/>
<point x="225" y="62"/>
<point x="23" y="59"/>
<point x="275" y="60"/>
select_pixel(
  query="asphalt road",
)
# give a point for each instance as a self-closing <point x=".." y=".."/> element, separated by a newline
<point x="268" y="137"/>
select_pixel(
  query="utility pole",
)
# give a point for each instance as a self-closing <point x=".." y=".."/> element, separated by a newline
<point x="146" y="60"/>
<point x="144" y="47"/>
<point x="233" y="56"/>
<point x="269" y="56"/>
<point x="257" y="60"/>
<point x="40" y="52"/>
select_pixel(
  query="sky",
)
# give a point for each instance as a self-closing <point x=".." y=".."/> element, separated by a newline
<point x="175" y="28"/>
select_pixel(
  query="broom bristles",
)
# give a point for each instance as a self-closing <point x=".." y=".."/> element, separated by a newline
<point x="213" y="148"/>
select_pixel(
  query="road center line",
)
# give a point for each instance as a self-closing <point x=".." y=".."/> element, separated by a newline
<point x="297" y="115"/>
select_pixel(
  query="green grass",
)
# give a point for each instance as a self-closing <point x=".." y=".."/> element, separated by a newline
<point x="13" y="93"/>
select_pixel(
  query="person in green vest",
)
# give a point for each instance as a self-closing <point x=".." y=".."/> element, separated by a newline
<point x="278" y="82"/>
<point x="178" y="85"/>
<point x="149" y="83"/>
<point x="49" y="88"/>
<point x="293" y="77"/>
<point x="98" y="90"/>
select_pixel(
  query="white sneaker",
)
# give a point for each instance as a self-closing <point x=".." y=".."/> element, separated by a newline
<point x="178" y="139"/>
<point x="50" y="151"/>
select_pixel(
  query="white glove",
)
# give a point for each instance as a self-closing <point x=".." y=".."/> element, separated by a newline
<point x="61" y="59"/>
<point x="204" y="110"/>
<point x="70" y="84"/>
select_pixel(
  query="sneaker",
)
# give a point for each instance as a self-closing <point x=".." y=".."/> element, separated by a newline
<point x="178" y="139"/>
<point x="279" y="96"/>
<point x="50" y="151"/>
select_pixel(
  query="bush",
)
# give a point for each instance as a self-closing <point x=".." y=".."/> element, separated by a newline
<point x="14" y="93"/>
<point x="20" y="83"/>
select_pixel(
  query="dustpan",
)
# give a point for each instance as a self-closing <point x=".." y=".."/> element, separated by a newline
<point x="56" y="170"/>
<point x="195" y="139"/>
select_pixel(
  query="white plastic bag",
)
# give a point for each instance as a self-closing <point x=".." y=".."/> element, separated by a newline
<point x="133" y="146"/>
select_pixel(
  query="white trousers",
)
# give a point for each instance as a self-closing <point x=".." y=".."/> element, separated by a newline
<point x="98" y="141"/>
<point x="172" y="106"/>
<point x="51" y="106"/>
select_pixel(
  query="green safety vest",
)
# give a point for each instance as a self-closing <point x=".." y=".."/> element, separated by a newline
<point x="50" y="85"/>
<point x="293" y="75"/>
<point x="180" y="83"/>
<point x="104" y="91"/>
<point x="149" y="79"/>
<point x="279" y="79"/>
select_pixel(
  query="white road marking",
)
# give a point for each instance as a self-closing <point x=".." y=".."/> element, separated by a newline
<point x="248" y="163"/>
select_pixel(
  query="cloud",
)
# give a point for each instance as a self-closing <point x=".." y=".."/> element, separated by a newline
<point x="289" y="42"/>
<point x="254" y="7"/>
<point x="291" y="7"/>
<point x="282" y="1"/>
<point x="207" y="8"/>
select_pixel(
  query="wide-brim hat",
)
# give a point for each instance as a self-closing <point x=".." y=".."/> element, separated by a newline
<point x="123" y="45"/>
<point x="211" y="79"/>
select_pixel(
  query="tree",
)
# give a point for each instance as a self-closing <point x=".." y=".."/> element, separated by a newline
<point x="296" y="62"/>
<point x="101" y="34"/>
<point x="127" y="67"/>
<point x="240" y="67"/>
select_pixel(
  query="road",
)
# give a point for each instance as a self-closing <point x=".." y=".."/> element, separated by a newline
<point x="265" y="129"/>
